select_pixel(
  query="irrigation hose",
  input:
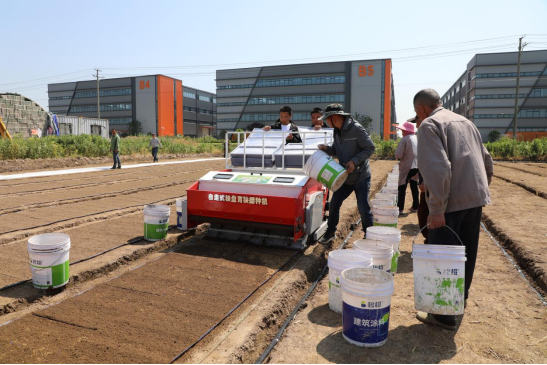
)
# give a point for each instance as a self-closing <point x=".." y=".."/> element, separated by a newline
<point x="304" y="298"/>
<point x="232" y="310"/>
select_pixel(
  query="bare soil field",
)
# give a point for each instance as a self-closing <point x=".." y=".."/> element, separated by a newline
<point x="532" y="181"/>
<point x="121" y="307"/>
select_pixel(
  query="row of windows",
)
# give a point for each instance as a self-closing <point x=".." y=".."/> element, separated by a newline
<point x="532" y="129"/>
<point x="206" y="111"/>
<point x="60" y="97"/>
<point x="104" y="108"/>
<point x="113" y="121"/>
<point x="297" y="99"/>
<point x="509" y="74"/>
<point x="498" y="96"/>
<point x="197" y="110"/>
<point x="294" y="81"/>
<point x="189" y="109"/>
<point x="450" y="94"/>
<point x="235" y="103"/>
<point x="59" y="112"/>
<point x="266" y="118"/>
<point x="205" y="98"/>
<point x="246" y="86"/>
<point x="93" y="94"/>
<point x="527" y="113"/>
<point x="188" y="94"/>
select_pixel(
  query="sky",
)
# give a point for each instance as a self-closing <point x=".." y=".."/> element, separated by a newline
<point x="430" y="43"/>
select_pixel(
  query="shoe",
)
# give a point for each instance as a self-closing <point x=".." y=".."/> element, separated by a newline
<point x="412" y="210"/>
<point x="327" y="238"/>
<point x="113" y="168"/>
<point x="119" y="167"/>
<point x="446" y="322"/>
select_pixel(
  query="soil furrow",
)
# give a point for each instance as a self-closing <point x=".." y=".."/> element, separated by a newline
<point x="538" y="169"/>
<point x="536" y="184"/>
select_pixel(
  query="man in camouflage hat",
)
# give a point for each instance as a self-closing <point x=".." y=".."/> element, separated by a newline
<point x="353" y="147"/>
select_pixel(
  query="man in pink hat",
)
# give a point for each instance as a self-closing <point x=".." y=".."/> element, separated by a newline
<point x="407" y="153"/>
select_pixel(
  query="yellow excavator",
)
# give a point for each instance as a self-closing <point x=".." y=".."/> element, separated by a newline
<point x="4" y="130"/>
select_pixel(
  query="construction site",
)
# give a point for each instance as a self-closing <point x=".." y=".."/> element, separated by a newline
<point x="237" y="276"/>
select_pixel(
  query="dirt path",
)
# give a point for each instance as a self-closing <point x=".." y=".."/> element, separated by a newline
<point x="505" y="322"/>
<point x="520" y="217"/>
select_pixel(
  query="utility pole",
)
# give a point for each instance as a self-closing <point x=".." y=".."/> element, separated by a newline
<point x="98" y="102"/>
<point x="521" y="46"/>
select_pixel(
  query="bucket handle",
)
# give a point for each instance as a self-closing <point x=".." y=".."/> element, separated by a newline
<point x="414" y="240"/>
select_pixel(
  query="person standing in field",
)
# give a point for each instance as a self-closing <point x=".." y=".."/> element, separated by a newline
<point x="457" y="170"/>
<point x="115" y="149"/>
<point x="407" y="154"/>
<point x="155" y="144"/>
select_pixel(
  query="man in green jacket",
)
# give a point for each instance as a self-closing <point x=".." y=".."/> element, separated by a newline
<point x="115" y="149"/>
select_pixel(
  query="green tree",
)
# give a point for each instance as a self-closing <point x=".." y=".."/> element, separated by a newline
<point x="494" y="135"/>
<point x="364" y="120"/>
<point x="135" y="127"/>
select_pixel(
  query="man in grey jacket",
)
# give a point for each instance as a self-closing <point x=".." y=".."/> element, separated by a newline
<point x="457" y="170"/>
<point x="155" y="144"/>
<point x="353" y="147"/>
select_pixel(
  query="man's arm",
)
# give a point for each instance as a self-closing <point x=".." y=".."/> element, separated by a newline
<point x="488" y="164"/>
<point x="435" y="168"/>
<point x="400" y="151"/>
<point x="366" y="144"/>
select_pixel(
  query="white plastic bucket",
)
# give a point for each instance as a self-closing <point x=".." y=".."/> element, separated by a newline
<point x="324" y="169"/>
<point x="49" y="260"/>
<point x="374" y="202"/>
<point x="390" y="190"/>
<point x="340" y="260"/>
<point x="392" y="197"/>
<point x="391" y="235"/>
<point x="179" y="212"/>
<point x="156" y="222"/>
<point x="384" y="215"/>
<point x="366" y="296"/>
<point x="439" y="278"/>
<point x="381" y="252"/>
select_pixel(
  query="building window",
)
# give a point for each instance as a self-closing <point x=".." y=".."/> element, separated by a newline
<point x="300" y="99"/>
<point x="104" y="108"/>
<point x="214" y="99"/>
<point x="205" y="111"/>
<point x="205" y="98"/>
<point x="507" y="74"/>
<point x="463" y="83"/>
<point x="189" y="109"/>
<point x="59" y="111"/>
<point x="188" y="94"/>
<point x="228" y="120"/>
<point x="93" y="93"/>
<point x="60" y="98"/>
<point x="458" y="87"/>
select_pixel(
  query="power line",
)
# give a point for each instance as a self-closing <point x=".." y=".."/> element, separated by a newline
<point x="310" y="58"/>
<point x="44" y="78"/>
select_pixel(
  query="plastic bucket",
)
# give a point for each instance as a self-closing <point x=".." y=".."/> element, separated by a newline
<point x="179" y="212"/>
<point x="389" y="234"/>
<point x="156" y="222"/>
<point x="384" y="215"/>
<point x="392" y="197"/>
<point x="439" y="278"/>
<point x="381" y="252"/>
<point x="340" y="260"/>
<point x="324" y="169"/>
<point x="389" y="190"/>
<point x="366" y="296"/>
<point x="49" y="260"/>
<point x="374" y="202"/>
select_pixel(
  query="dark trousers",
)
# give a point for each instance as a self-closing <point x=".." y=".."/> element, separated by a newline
<point x="466" y="224"/>
<point x="155" y="153"/>
<point x="116" y="158"/>
<point x="413" y="189"/>
<point x="361" y="190"/>
<point x="423" y="213"/>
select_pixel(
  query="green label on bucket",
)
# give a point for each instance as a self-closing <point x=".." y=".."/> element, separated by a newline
<point x="328" y="174"/>
<point x="155" y="231"/>
<point x="394" y="225"/>
<point x="50" y="277"/>
<point x="394" y="262"/>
